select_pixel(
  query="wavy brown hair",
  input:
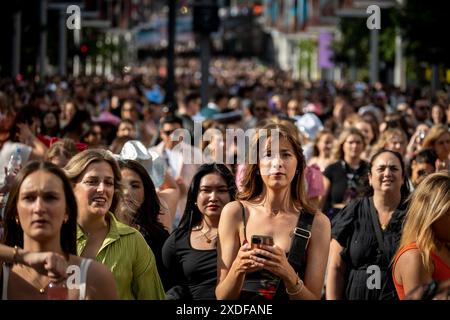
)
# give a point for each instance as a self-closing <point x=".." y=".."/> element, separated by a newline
<point x="253" y="185"/>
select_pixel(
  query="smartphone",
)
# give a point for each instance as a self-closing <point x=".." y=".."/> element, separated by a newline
<point x="259" y="239"/>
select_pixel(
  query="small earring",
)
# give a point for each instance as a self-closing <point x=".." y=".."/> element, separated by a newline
<point x="297" y="171"/>
<point x="66" y="219"/>
<point x="17" y="220"/>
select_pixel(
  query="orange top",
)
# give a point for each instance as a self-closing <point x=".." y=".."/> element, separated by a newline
<point x="441" y="270"/>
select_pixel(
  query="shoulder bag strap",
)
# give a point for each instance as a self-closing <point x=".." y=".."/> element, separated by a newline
<point x="382" y="248"/>
<point x="244" y="221"/>
<point x="301" y="234"/>
<point x="297" y="252"/>
<point x="377" y="228"/>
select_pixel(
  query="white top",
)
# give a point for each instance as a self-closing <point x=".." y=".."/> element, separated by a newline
<point x="84" y="266"/>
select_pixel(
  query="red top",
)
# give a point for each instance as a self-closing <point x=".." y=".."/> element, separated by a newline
<point x="441" y="270"/>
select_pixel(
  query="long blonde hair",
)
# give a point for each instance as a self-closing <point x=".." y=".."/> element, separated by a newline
<point x="252" y="185"/>
<point x="429" y="202"/>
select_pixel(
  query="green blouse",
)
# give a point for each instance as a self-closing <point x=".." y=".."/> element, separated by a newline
<point x="125" y="252"/>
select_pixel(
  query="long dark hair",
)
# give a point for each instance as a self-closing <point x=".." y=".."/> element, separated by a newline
<point x="192" y="215"/>
<point x="404" y="190"/>
<point x="13" y="235"/>
<point x="146" y="216"/>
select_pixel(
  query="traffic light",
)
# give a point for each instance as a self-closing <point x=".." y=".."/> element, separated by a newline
<point x="206" y="16"/>
<point x="83" y="49"/>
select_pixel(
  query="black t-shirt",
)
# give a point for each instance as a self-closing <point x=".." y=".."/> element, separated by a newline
<point x="346" y="183"/>
<point x="155" y="240"/>
<point x="192" y="268"/>
<point x="354" y="230"/>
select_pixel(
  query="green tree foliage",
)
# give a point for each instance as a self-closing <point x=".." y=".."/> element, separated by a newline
<point x="425" y="27"/>
<point x="354" y="45"/>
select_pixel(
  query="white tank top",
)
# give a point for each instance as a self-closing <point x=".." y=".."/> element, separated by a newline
<point x="84" y="266"/>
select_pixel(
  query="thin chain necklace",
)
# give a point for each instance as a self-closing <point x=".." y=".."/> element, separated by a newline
<point x="208" y="239"/>
<point x="205" y="234"/>
<point x="272" y="211"/>
<point x="35" y="282"/>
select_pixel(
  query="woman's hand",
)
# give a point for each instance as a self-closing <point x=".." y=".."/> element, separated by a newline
<point x="245" y="262"/>
<point x="50" y="264"/>
<point x="274" y="260"/>
<point x="25" y="135"/>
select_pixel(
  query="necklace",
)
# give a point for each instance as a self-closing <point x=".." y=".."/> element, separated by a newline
<point x="273" y="211"/>
<point x="205" y="234"/>
<point x="35" y="282"/>
<point x="208" y="239"/>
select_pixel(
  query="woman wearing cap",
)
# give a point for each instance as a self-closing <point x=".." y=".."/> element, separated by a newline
<point x="96" y="180"/>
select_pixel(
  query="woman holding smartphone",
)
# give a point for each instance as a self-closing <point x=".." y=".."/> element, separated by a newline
<point x="271" y="202"/>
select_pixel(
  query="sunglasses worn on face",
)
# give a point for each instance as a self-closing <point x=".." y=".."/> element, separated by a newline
<point x="422" y="173"/>
<point x="168" y="132"/>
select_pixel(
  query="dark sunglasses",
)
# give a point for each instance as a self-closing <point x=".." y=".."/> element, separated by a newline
<point x="422" y="173"/>
<point x="168" y="132"/>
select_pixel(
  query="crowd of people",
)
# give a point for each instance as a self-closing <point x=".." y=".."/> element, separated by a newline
<point x="347" y="198"/>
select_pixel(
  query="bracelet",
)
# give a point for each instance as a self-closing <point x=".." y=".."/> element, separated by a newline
<point x="298" y="284"/>
<point x="15" y="255"/>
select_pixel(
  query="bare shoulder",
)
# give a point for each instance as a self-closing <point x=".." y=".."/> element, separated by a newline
<point x="410" y="258"/>
<point x="410" y="270"/>
<point x="232" y="210"/>
<point x="321" y="222"/>
<point x="321" y="228"/>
